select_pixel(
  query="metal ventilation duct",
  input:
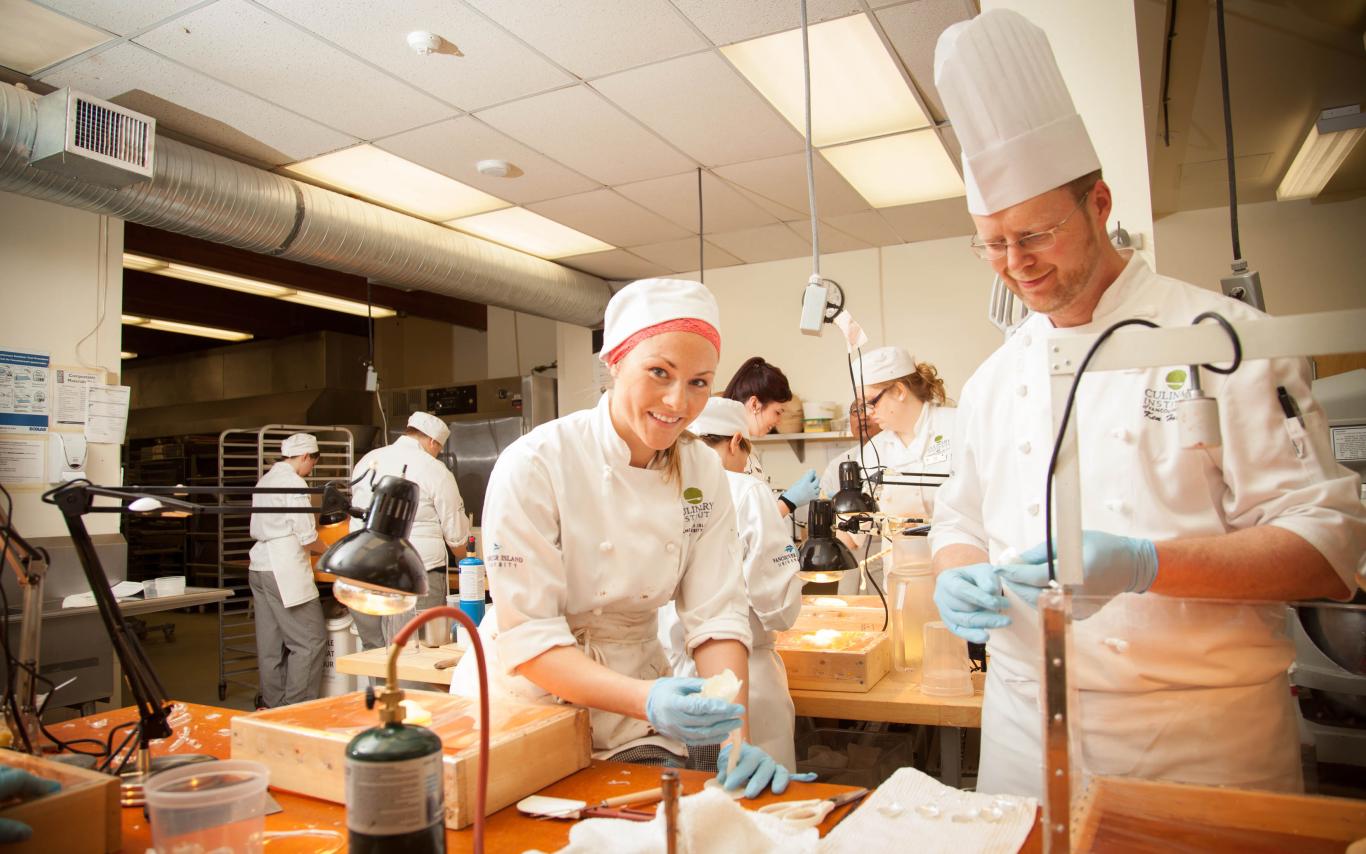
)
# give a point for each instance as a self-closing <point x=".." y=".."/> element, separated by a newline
<point x="207" y="196"/>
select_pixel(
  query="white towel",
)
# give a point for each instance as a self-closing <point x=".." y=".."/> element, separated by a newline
<point x="873" y="825"/>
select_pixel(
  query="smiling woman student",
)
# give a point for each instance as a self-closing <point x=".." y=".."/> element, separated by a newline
<point x="595" y="520"/>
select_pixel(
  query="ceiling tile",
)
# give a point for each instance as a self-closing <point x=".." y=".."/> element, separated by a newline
<point x="783" y="180"/>
<point x="867" y="226"/>
<point x="454" y="146"/>
<point x="726" y="23"/>
<point x="680" y="256"/>
<point x="615" y="264"/>
<point x="596" y="37"/>
<point x="766" y="243"/>
<point x="675" y="198"/>
<point x="609" y="217"/>
<point x="252" y="49"/>
<point x="121" y="18"/>
<point x="930" y="220"/>
<point x="699" y="103"/>
<point x="580" y="129"/>
<point x="832" y="239"/>
<point x="189" y="103"/>
<point x="34" y="38"/>
<point x="914" y="29"/>
<point x="768" y="205"/>
<point x="494" y="67"/>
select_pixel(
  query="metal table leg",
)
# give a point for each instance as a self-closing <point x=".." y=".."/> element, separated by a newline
<point x="951" y="756"/>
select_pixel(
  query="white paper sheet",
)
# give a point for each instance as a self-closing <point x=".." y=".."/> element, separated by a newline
<point x="107" y="416"/>
<point x="22" y="461"/>
<point x="72" y="395"/>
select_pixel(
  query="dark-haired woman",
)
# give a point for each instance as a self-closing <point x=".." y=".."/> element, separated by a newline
<point x="906" y="399"/>
<point x="764" y="392"/>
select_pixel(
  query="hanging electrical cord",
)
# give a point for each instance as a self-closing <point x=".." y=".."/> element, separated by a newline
<point x="370" y="370"/>
<point x="701" y="264"/>
<point x="1228" y="133"/>
<point x="1071" y="401"/>
<point x="810" y="153"/>
<point x="1167" y="73"/>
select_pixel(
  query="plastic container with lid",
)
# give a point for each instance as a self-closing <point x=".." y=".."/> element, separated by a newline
<point x="910" y="605"/>
<point x="210" y="806"/>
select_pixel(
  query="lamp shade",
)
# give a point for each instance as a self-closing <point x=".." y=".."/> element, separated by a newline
<point x="378" y="571"/>
<point x="822" y="554"/>
<point x="851" y="498"/>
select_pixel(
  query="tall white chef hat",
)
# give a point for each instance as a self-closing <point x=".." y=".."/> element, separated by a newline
<point x="721" y="417"/>
<point x="299" y="444"/>
<point x="1010" y="109"/>
<point x="653" y="306"/>
<point x="883" y="365"/>
<point x="429" y="425"/>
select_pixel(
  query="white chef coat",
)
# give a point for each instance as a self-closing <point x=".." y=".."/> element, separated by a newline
<point x="929" y="450"/>
<point x="830" y="478"/>
<point x="583" y="549"/>
<point x="281" y="538"/>
<point x="1198" y="691"/>
<point x="775" y="599"/>
<point x="440" y="519"/>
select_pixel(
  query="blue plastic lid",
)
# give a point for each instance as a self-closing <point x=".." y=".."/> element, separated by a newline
<point x="471" y="561"/>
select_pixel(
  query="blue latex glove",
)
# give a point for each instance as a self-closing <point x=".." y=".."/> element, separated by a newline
<point x="969" y="599"/>
<point x="806" y="489"/>
<point x="1111" y="565"/>
<point x="756" y="771"/>
<point x="676" y="709"/>
<point x="17" y="783"/>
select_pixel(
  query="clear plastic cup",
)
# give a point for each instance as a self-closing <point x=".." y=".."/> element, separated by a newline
<point x="910" y="599"/>
<point x="210" y="806"/>
<point x="946" y="671"/>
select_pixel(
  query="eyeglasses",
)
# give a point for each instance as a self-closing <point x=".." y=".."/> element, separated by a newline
<point x="870" y="405"/>
<point x="1035" y="242"/>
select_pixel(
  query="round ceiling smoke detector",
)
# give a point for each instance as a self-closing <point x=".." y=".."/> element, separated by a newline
<point x="423" y="42"/>
<point x="497" y="169"/>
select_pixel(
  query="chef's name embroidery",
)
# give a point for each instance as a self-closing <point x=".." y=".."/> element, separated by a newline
<point x="1159" y="404"/>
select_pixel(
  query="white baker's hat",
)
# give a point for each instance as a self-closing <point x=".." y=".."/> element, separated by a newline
<point x="429" y="425"/>
<point x="299" y="444"/>
<point x="1010" y="109"/>
<point x="650" y="302"/>
<point x="721" y="417"/>
<point x="883" y="365"/>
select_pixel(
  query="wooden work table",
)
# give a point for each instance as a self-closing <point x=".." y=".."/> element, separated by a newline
<point x="506" y="830"/>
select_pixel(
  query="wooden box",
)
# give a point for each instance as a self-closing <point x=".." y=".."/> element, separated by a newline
<point x="834" y="660"/>
<point x="859" y="614"/>
<point x="82" y="818"/>
<point x="531" y="746"/>
<point x="1119" y="814"/>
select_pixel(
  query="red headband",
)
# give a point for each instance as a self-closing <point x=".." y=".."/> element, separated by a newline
<point x="682" y="324"/>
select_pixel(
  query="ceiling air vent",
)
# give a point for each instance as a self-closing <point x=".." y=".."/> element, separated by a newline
<point x="83" y="137"/>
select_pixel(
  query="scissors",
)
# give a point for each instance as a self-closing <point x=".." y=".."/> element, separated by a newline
<point x="810" y="813"/>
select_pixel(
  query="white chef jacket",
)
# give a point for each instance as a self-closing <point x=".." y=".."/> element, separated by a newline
<point x="281" y="538"/>
<point x="583" y="549"/>
<point x="775" y="599"/>
<point x="930" y="450"/>
<point x="830" y="478"/>
<point x="1198" y="691"/>
<point x="440" y="519"/>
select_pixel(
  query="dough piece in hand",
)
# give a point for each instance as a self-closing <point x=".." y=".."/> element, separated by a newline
<point x="723" y="686"/>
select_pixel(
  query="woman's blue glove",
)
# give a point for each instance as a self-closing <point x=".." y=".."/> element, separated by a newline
<point x="17" y="783"/>
<point x="756" y="771"/>
<point x="969" y="599"/>
<point x="675" y="708"/>
<point x="806" y="489"/>
<point x="1111" y="565"/>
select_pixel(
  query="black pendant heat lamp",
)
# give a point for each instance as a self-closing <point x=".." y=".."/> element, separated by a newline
<point x="851" y="498"/>
<point x="822" y="557"/>
<point x="378" y="571"/>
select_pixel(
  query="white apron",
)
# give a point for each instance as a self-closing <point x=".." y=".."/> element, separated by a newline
<point x="293" y="573"/>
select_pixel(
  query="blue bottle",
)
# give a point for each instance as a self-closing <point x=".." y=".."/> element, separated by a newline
<point x="472" y="584"/>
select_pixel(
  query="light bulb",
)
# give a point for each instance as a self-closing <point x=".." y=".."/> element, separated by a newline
<point x="368" y="600"/>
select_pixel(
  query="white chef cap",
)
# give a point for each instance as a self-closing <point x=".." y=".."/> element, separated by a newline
<point x="653" y="306"/>
<point x="429" y="425"/>
<point x="721" y="417"/>
<point x="299" y="444"/>
<point x="883" y="365"/>
<point x="1010" y="110"/>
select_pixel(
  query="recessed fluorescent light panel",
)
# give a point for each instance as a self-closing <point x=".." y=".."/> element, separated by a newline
<point x="34" y="38"/>
<point x="530" y="232"/>
<point x="379" y="176"/>
<point x="244" y="285"/>
<point x="857" y="90"/>
<point x="185" y="328"/>
<point x="898" y="170"/>
<point x="1317" y="161"/>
